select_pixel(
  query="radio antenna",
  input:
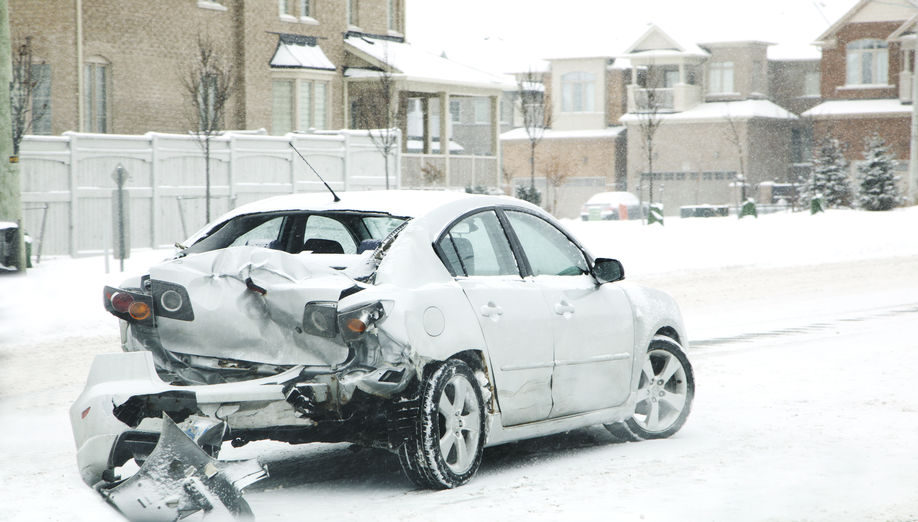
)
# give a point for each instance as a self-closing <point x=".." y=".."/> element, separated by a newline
<point x="337" y="199"/>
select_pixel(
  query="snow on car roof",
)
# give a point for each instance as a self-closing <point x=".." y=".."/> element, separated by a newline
<point x="407" y="203"/>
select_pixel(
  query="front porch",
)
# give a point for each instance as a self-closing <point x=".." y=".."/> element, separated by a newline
<point x="425" y="95"/>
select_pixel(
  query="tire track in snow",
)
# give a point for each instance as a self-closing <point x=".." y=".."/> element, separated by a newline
<point x="865" y="315"/>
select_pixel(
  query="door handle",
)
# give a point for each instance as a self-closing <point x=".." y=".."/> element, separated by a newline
<point x="564" y="308"/>
<point x="492" y="311"/>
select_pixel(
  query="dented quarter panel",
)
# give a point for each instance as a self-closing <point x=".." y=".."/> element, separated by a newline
<point x="232" y="321"/>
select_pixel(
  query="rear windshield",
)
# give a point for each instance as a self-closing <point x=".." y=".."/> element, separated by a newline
<point x="295" y="232"/>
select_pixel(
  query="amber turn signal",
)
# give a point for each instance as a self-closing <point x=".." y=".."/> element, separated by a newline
<point x="356" y="325"/>
<point x="139" y="310"/>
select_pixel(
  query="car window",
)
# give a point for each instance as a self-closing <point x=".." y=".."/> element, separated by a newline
<point x="264" y="235"/>
<point x="380" y="226"/>
<point x="478" y="246"/>
<point x="548" y="250"/>
<point x="323" y="233"/>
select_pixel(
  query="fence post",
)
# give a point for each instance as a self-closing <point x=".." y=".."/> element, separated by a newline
<point x="346" y="162"/>
<point x="292" y="161"/>
<point x="74" y="197"/>
<point x="231" y="172"/>
<point x="154" y="190"/>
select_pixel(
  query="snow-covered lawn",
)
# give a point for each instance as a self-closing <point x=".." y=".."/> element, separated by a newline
<point x="812" y="416"/>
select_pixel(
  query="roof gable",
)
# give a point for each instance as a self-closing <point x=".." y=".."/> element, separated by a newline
<point x="870" y="11"/>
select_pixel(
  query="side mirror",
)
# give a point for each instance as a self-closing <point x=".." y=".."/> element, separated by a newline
<point x="608" y="270"/>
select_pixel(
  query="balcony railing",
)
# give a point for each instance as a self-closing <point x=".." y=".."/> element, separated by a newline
<point x="649" y="100"/>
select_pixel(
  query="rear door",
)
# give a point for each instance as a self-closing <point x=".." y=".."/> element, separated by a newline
<point x="510" y="311"/>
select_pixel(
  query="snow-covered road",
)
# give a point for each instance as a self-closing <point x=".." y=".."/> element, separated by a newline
<point x="805" y="416"/>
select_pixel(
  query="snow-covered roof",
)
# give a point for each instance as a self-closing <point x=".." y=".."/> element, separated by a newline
<point x="870" y="11"/>
<point x="737" y="110"/>
<point x="417" y="145"/>
<point x="300" y="53"/>
<point x="863" y="108"/>
<point x="413" y="64"/>
<point x="496" y="56"/>
<point x="656" y="43"/>
<point x="549" y="134"/>
<point x="794" y="52"/>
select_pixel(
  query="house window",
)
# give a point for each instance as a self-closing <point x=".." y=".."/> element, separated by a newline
<point x="298" y="104"/>
<point x="294" y="8"/>
<point x="868" y="62"/>
<point x="811" y="83"/>
<point x="577" y="92"/>
<point x="41" y="98"/>
<point x="670" y="78"/>
<point x="96" y="78"/>
<point x="353" y="8"/>
<point x="455" y="111"/>
<point x="394" y="15"/>
<point x="720" y="78"/>
<point x="482" y="110"/>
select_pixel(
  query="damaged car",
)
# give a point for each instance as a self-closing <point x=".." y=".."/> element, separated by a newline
<point x="429" y="323"/>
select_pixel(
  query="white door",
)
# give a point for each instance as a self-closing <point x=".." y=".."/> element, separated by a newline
<point x="511" y="314"/>
<point x="592" y="326"/>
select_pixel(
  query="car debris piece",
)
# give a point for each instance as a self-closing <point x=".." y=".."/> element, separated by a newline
<point x="179" y="479"/>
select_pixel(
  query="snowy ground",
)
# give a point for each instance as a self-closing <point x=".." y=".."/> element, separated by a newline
<point x="806" y="407"/>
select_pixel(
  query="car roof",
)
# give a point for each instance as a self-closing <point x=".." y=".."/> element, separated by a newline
<point x="401" y="203"/>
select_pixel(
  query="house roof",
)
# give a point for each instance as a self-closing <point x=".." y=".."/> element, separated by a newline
<point x="519" y="134"/>
<point x="721" y="111"/>
<point x="869" y="11"/>
<point x="888" y="108"/>
<point x="415" y="65"/>
<point x="657" y="43"/>
<point x="300" y="52"/>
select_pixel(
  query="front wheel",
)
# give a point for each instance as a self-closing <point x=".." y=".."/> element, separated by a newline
<point x="666" y="388"/>
<point x="446" y="432"/>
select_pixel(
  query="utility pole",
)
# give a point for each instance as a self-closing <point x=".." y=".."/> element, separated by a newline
<point x="10" y="190"/>
<point x="912" y="185"/>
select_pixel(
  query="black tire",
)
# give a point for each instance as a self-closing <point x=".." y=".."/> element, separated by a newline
<point x="443" y="432"/>
<point x="666" y="389"/>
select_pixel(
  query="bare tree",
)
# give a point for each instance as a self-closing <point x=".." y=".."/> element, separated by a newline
<point x="209" y="81"/>
<point x="378" y="110"/>
<point x="535" y="108"/>
<point x="650" y="103"/>
<point x="24" y="82"/>
<point x="557" y="172"/>
<point x="732" y="133"/>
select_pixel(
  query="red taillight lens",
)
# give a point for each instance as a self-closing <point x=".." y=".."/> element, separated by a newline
<point x="139" y="310"/>
<point x="122" y="302"/>
<point x="85" y="412"/>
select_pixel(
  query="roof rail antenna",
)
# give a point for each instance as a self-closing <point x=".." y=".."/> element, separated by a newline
<point x="298" y="153"/>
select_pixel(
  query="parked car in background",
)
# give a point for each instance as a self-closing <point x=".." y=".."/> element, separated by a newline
<point x="612" y="205"/>
<point x="432" y="324"/>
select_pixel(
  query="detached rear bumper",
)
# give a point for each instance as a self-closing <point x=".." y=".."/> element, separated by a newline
<point x="124" y="394"/>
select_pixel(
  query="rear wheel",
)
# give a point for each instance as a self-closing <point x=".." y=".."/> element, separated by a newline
<point x="666" y="388"/>
<point x="444" y="436"/>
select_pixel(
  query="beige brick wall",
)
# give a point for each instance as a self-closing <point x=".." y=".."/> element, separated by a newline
<point x="147" y="43"/>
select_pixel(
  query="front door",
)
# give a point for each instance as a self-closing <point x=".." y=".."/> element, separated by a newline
<point x="592" y="326"/>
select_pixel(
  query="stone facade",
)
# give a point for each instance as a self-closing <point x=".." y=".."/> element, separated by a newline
<point x="145" y="48"/>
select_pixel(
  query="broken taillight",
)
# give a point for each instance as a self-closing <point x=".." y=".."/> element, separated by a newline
<point x="122" y="301"/>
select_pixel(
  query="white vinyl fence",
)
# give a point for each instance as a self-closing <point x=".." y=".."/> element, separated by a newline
<point x="67" y="181"/>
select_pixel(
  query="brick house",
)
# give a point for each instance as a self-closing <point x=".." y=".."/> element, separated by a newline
<point x="117" y="67"/>
<point x="722" y="134"/>
<point x="868" y="58"/>
<point x="727" y="108"/>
